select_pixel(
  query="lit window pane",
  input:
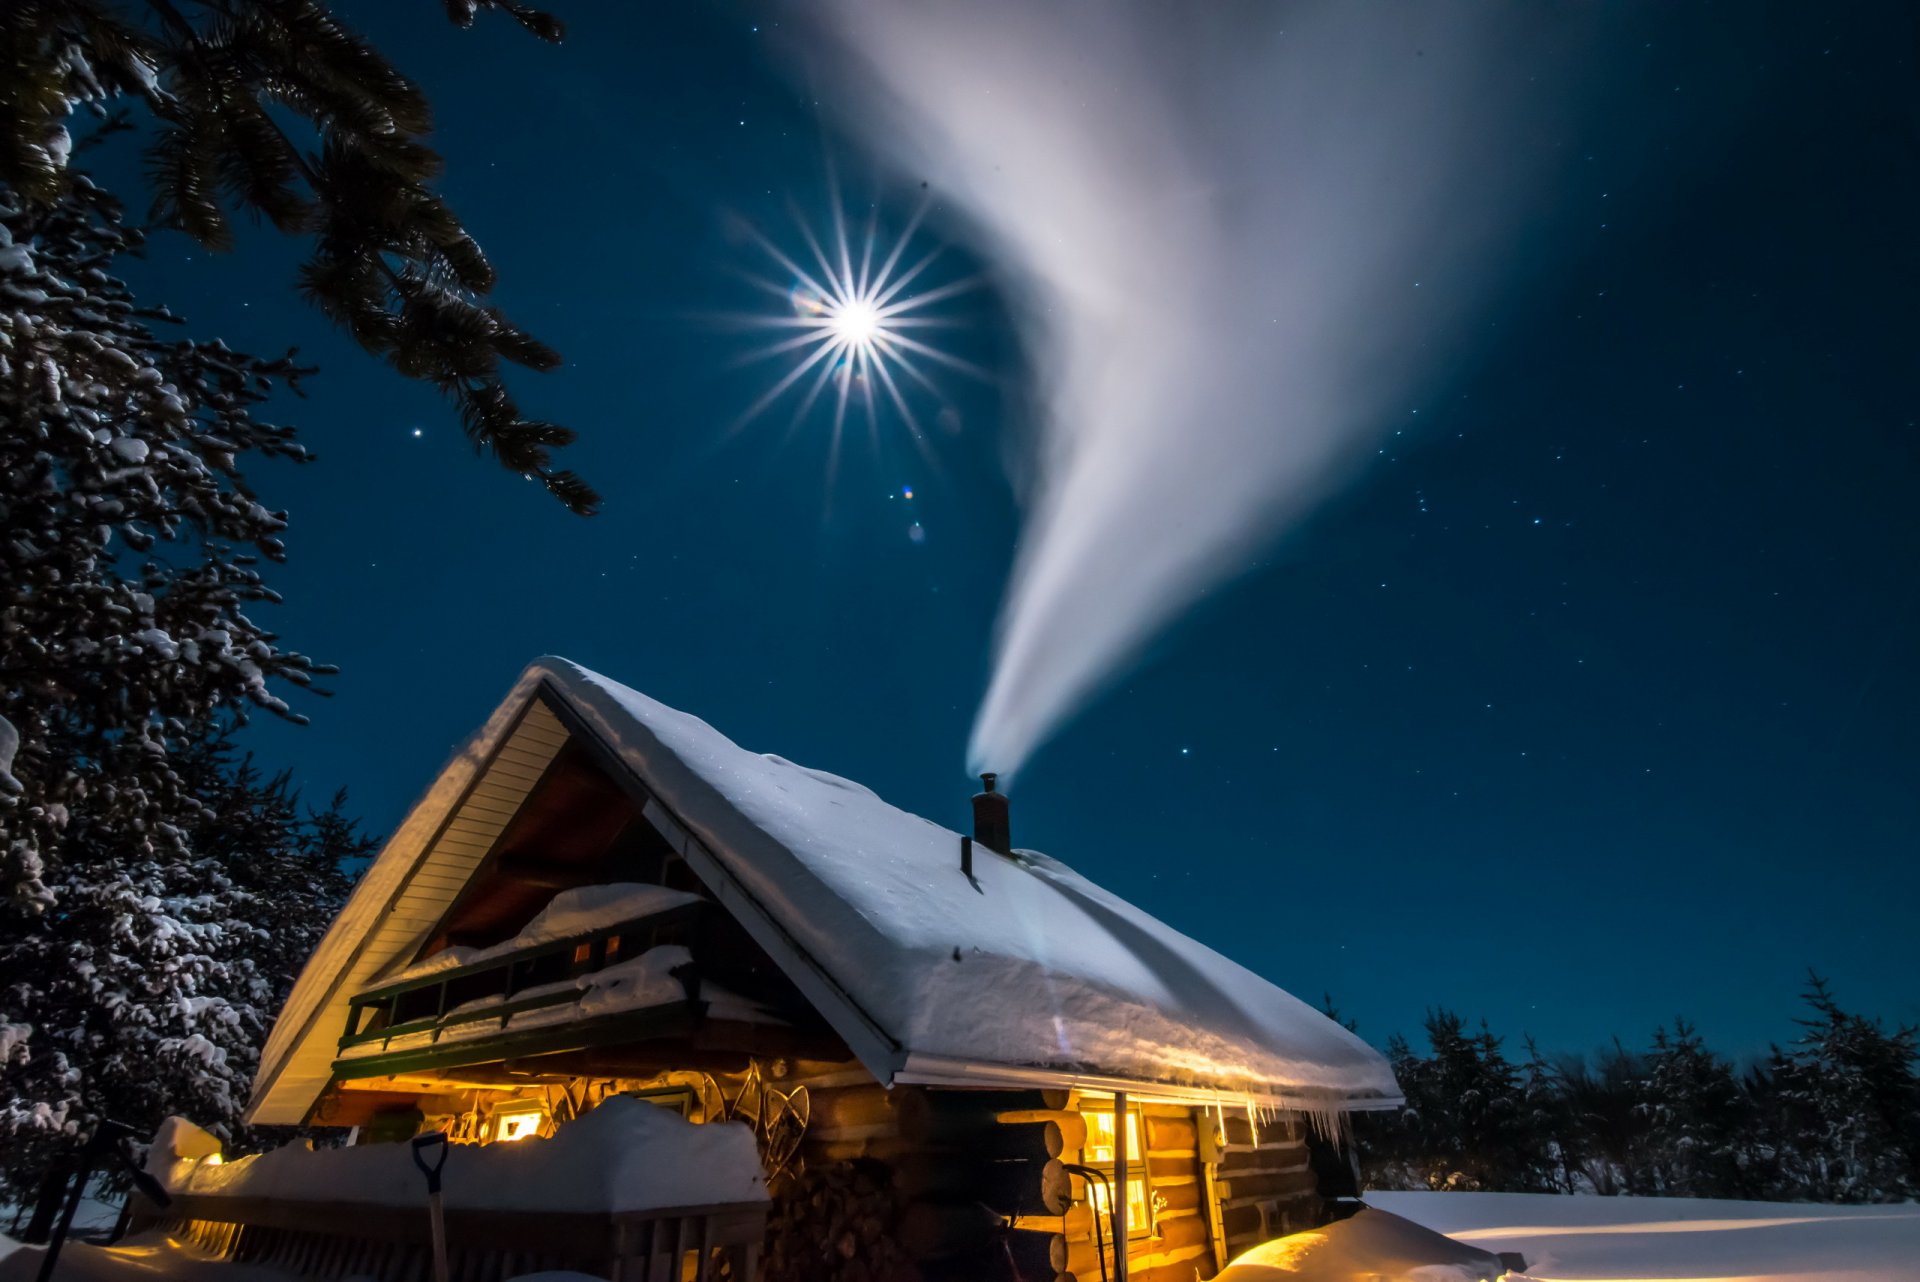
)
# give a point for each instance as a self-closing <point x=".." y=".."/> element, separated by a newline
<point x="1099" y="1152"/>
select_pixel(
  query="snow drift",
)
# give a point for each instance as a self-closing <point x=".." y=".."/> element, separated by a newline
<point x="1367" y="1246"/>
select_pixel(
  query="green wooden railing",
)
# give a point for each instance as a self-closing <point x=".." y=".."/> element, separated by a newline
<point x="430" y="1003"/>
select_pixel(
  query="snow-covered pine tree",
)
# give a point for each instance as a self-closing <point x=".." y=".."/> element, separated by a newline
<point x="1695" y="1115"/>
<point x="1465" y="1125"/>
<point x="1846" y="1102"/>
<point x="280" y="109"/>
<point x="151" y="982"/>
<point x="1387" y="1141"/>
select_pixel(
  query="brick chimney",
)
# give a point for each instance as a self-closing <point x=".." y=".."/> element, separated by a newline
<point x="991" y="827"/>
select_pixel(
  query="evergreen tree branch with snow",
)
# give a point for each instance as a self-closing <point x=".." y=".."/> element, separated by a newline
<point x="156" y="895"/>
<point x="278" y="109"/>
<point x="130" y="545"/>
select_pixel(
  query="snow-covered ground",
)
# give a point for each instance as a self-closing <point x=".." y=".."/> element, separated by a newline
<point x="1632" y="1239"/>
<point x="144" y="1257"/>
<point x="94" y="1219"/>
<point x="1565" y="1239"/>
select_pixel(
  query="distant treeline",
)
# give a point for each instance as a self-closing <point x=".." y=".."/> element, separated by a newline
<point x="1834" y="1116"/>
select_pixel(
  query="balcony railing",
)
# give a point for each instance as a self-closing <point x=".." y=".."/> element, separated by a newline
<point x="428" y="1014"/>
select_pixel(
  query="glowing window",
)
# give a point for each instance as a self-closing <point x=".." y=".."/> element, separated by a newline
<point x="613" y="947"/>
<point x="517" y="1122"/>
<point x="582" y="954"/>
<point x="1098" y="1153"/>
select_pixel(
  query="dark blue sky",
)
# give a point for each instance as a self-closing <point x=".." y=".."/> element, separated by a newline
<point x="1591" y="701"/>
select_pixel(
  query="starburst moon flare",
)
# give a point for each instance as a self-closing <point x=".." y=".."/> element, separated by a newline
<point x="853" y="314"/>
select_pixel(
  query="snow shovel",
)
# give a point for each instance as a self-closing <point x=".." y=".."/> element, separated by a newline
<point x="421" y="1143"/>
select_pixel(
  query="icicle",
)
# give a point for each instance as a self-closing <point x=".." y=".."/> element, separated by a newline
<point x="1253" y="1122"/>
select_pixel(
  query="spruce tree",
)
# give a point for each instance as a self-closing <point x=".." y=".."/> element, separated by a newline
<point x="1846" y="1101"/>
<point x="1694" y="1113"/>
<point x="156" y="897"/>
<point x="1466" y="1122"/>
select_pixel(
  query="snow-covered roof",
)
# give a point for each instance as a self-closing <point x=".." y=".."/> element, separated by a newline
<point x="1027" y="974"/>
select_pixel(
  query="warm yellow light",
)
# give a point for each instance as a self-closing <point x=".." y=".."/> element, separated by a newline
<point x="214" y="1159"/>
<point x="1099" y="1152"/>
<point x="518" y="1128"/>
<point x="516" y="1122"/>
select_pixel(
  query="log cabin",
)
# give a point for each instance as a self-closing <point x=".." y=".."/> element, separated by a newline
<point x="960" y="1059"/>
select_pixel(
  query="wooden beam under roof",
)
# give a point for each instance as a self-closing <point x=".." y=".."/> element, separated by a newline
<point x="541" y="874"/>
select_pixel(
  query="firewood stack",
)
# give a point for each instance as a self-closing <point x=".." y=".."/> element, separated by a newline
<point x="837" y="1222"/>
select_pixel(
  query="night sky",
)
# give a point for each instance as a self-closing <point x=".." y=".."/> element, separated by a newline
<point x="1590" y="701"/>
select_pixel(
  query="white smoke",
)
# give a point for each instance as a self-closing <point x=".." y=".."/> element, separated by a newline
<point x="1239" y="237"/>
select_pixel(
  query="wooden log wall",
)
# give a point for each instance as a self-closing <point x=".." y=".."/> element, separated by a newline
<point x="1263" y="1184"/>
<point x="1179" y="1246"/>
<point x="1205" y="1211"/>
<point x="953" y="1155"/>
<point x="975" y="1163"/>
<point x="963" y="1181"/>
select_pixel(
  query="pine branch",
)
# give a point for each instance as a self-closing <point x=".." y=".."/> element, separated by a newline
<point x="369" y="207"/>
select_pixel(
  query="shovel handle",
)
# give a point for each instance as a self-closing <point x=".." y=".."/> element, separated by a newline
<point x="436" y="1140"/>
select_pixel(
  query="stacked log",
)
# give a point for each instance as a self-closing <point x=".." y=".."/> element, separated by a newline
<point x="837" y="1222"/>
<point x="979" y="1165"/>
<point x="849" y="1122"/>
<point x="1177" y="1243"/>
